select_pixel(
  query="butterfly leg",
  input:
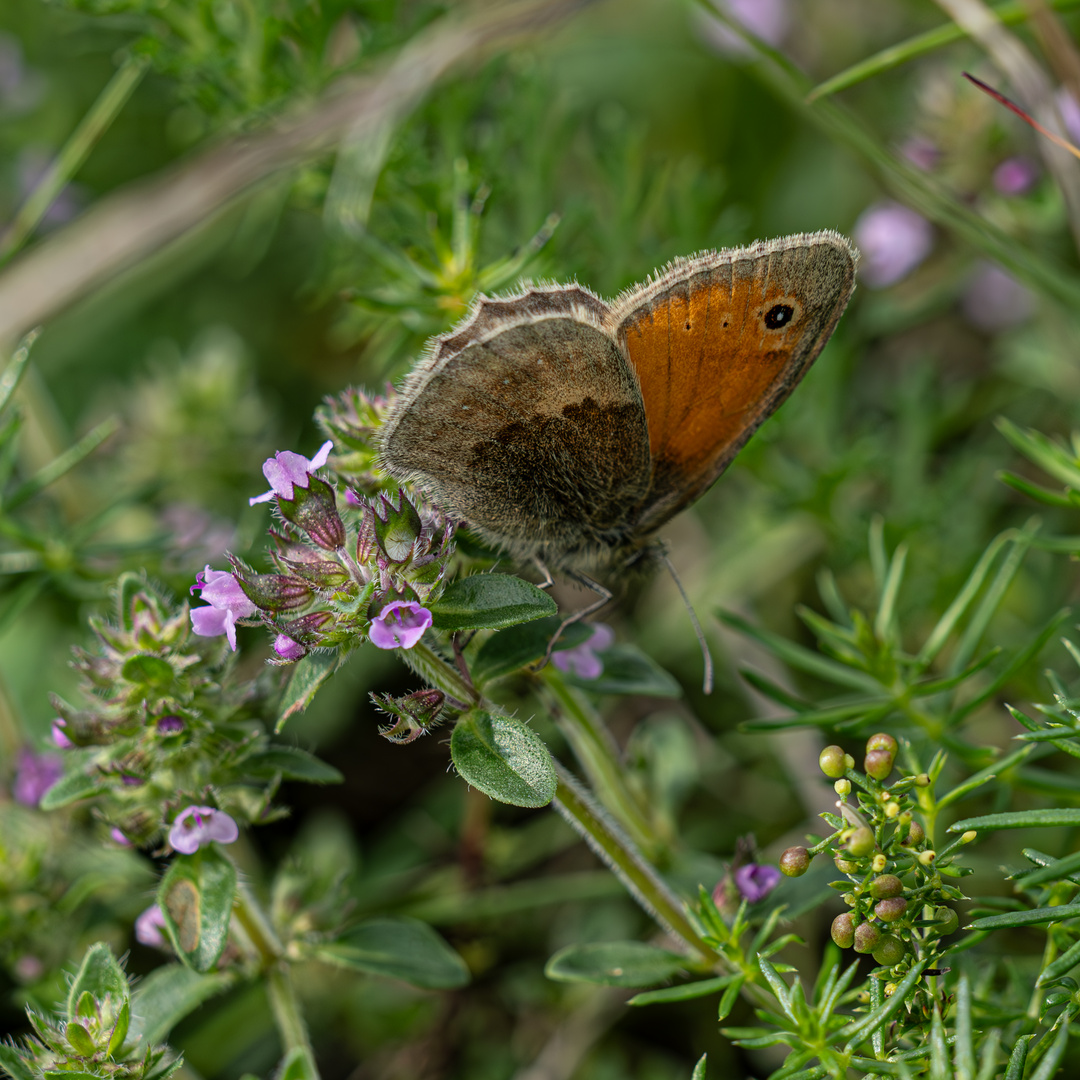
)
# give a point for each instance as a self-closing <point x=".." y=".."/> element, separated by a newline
<point x="542" y="567"/>
<point x="576" y="616"/>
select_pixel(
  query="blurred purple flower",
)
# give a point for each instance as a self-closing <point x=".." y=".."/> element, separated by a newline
<point x="1070" y="113"/>
<point x="29" y="968"/>
<point x="195" y="535"/>
<point x="286" y="469"/>
<point x="582" y="660"/>
<point x="34" y="775"/>
<point x="400" y="625"/>
<point x="994" y="301"/>
<point x="894" y="240"/>
<point x="288" y="649"/>
<point x="755" y="881"/>
<point x="766" y="19"/>
<point x="58" y="737"/>
<point x="227" y="604"/>
<point x="119" y="838"/>
<point x="1016" y="176"/>
<point x="170" y="725"/>
<point x="198" y="825"/>
<point x="922" y="152"/>
<point x="148" y="927"/>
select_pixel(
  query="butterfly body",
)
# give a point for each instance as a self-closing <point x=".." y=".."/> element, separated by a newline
<point x="569" y="429"/>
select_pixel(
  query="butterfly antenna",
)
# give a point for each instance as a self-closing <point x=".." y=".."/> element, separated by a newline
<point x="707" y="681"/>
<point x="999" y="97"/>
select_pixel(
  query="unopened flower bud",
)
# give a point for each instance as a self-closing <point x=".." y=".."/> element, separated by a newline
<point x="878" y="764"/>
<point x="927" y="857"/>
<point x="879" y="863"/>
<point x="845" y="866"/>
<point x="795" y="862"/>
<point x="891" y="909"/>
<point x="412" y="715"/>
<point x="314" y="510"/>
<point x="889" y="950"/>
<point x="170" y="725"/>
<point x="890" y="989"/>
<point x="968" y="836"/>
<point x="320" y="573"/>
<point x="308" y="629"/>
<point x="881" y="888"/>
<point x="922" y="780"/>
<point x="861" y="842"/>
<point x="916" y="835"/>
<point x="365" y="536"/>
<point x="867" y="937"/>
<point x="892" y="810"/>
<point x="843" y="930"/>
<point x="842" y="787"/>
<point x="831" y="762"/>
<point x="275" y="592"/>
<point x="397" y="528"/>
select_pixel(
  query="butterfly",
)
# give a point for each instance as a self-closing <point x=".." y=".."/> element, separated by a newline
<point x="567" y="430"/>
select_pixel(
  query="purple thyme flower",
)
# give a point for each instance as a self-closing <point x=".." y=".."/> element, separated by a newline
<point x="119" y="838"/>
<point x="582" y="660"/>
<point x="1070" y="113"/>
<point x="755" y="881"/>
<point x="993" y="300"/>
<point x="894" y="240"/>
<point x="288" y="649"/>
<point x="58" y="737"/>
<point x="1016" y="176"/>
<point x="169" y="725"/>
<point x="400" y="625"/>
<point x="34" y="775"/>
<point x="148" y="927"/>
<point x="922" y="152"/>
<point x="286" y="469"/>
<point x="198" y="825"/>
<point x="227" y="604"/>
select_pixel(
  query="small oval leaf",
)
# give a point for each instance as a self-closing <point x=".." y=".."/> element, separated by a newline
<point x="514" y="648"/>
<point x="69" y="789"/>
<point x="99" y="975"/>
<point x="503" y="758"/>
<point x="615" y="963"/>
<point x="490" y="602"/>
<point x="196" y="898"/>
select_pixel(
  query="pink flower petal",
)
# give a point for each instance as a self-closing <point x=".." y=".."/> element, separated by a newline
<point x="400" y="625"/>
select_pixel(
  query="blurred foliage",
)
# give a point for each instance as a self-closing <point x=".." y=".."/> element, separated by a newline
<point x="635" y="133"/>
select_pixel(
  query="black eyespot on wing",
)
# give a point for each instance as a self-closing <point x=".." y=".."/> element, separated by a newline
<point x="778" y="316"/>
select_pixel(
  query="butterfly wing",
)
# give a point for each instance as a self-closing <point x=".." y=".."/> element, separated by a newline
<point x="527" y="422"/>
<point x="718" y="342"/>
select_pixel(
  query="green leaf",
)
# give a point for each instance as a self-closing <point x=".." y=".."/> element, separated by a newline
<point x="297" y="1065"/>
<point x="79" y="1039"/>
<point x="308" y="675"/>
<point x="1021" y="819"/>
<point x="504" y="758"/>
<point x="1061" y="966"/>
<point x="291" y="763"/>
<point x="1031" y="917"/>
<point x="865" y="1026"/>
<point x="699" y="1068"/>
<point x="615" y="963"/>
<point x="120" y="1029"/>
<point x="167" y="995"/>
<point x="196" y="898"/>
<point x="512" y="649"/>
<point x="71" y="788"/>
<point x="99" y="974"/>
<point x="1049" y="1064"/>
<point x="490" y="602"/>
<point x="14" y="1064"/>
<point x="1018" y="1058"/>
<point x="402" y="948"/>
<point x="148" y="670"/>
<point x="627" y="670"/>
<point x="685" y="992"/>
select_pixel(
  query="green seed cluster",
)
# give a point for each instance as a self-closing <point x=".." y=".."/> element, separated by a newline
<point x="895" y="885"/>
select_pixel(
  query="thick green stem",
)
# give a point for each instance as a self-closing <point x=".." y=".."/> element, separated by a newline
<point x="288" y="1017"/>
<point x="595" y="749"/>
<point x="75" y="151"/>
<point x="439" y="673"/>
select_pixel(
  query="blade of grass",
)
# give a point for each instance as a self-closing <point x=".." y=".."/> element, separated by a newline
<point x="913" y="47"/>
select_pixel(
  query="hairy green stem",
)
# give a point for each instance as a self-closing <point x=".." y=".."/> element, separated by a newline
<point x="431" y="667"/>
<point x="288" y="1016"/>
<point x="595" y="749"/>
<point x="75" y="151"/>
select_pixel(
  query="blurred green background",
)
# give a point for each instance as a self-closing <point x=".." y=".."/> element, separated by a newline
<point x="650" y="135"/>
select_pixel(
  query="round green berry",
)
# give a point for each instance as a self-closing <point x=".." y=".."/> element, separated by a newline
<point x="861" y="842"/>
<point x="878" y="764"/>
<point x="916" y="835"/>
<point x="946" y="920"/>
<point x="881" y="741"/>
<point x="832" y="763"/>
<point x="867" y="936"/>
<point x="795" y="862"/>
<point x="889" y="951"/>
<point x="891" y="909"/>
<point x="881" y="888"/>
<point x="843" y="930"/>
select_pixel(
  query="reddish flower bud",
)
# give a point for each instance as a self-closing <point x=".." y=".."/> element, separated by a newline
<point x="878" y="764"/>
<point x="867" y="936"/>
<point x="881" y="888"/>
<point x="891" y="909"/>
<point x="397" y="528"/>
<point x="882" y="741"/>
<point x="843" y="930"/>
<point x="795" y="862"/>
<point x="275" y="592"/>
<point x="314" y="510"/>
